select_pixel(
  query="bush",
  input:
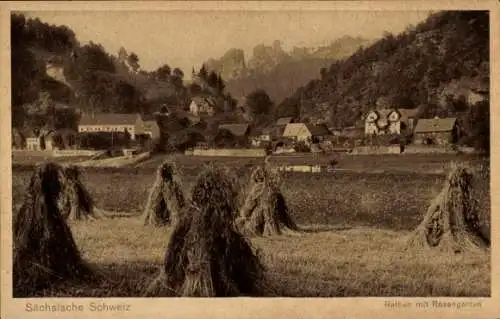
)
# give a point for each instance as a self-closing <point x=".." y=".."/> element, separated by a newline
<point x="301" y="147"/>
<point x="186" y="139"/>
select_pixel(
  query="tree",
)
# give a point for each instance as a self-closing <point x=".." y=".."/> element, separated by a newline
<point x="178" y="73"/>
<point x="186" y="138"/>
<point x="213" y="80"/>
<point x="224" y="138"/>
<point x="194" y="89"/>
<point x="163" y="72"/>
<point x="93" y="57"/>
<point x="221" y="85"/>
<point x="260" y="105"/>
<point x="133" y="61"/>
<point x="203" y="74"/>
<point x="26" y="78"/>
<point x="479" y="119"/>
<point x="177" y="77"/>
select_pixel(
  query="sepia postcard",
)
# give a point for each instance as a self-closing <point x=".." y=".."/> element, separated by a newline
<point x="259" y="159"/>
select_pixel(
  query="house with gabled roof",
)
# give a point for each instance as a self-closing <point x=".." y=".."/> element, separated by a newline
<point x="436" y="131"/>
<point x="390" y="121"/>
<point x="478" y="93"/>
<point x="261" y="135"/>
<point x="203" y="106"/>
<point x="151" y="128"/>
<point x="306" y="132"/>
<point x="32" y="140"/>
<point x="38" y="141"/>
<point x="112" y="122"/>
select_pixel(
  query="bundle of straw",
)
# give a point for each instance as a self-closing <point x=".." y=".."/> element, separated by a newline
<point x="166" y="199"/>
<point x="265" y="211"/>
<point x="451" y="221"/>
<point x="43" y="246"/>
<point x="206" y="256"/>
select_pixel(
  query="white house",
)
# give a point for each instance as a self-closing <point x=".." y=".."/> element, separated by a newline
<point x="390" y="121"/>
<point x="260" y="136"/>
<point x="308" y="133"/>
<point x="112" y="122"/>
<point x="152" y="129"/>
<point x="202" y="106"/>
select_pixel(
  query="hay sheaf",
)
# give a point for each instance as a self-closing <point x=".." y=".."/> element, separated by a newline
<point x="44" y="251"/>
<point x="265" y="211"/>
<point x="166" y="199"/>
<point x="77" y="204"/>
<point x="206" y="256"/>
<point x="451" y="221"/>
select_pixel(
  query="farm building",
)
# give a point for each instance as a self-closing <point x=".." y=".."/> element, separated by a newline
<point x="32" y="140"/>
<point x="478" y="95"/>
<point x="305" y="132"/>
<point x="112" y="122"/>
<point x="259" y="136"/>
<point x="203" y="106"/>
<point x="436" y="131"/>
<point x="151" y="128"/>
<point x="47" y="140"/>
<point x="390" y="121"/>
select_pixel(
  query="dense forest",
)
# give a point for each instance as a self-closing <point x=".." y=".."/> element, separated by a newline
<point x="433" y="66"/>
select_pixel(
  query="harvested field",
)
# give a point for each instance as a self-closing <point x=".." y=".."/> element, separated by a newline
<point x="322" y="263"/>
<point x="356" y="230"/>
<point x="388" y="201"/>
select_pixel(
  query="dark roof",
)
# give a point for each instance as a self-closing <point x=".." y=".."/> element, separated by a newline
<point x="148" y="117"/>
<point x="318" y="130"/>
<point x="435" y="125"/>
<point x="284" y="121"/>
<point x="109" y="119"/>
<point x="66" y="131"/>
<point x="28" y="133"/>
<point x="256" y="132"/>
<point x="408" y="113"/>
<point x="384" y="113"/>
<point x="482" y="87"/>
<point x="235" y="129"/>
<point x="150" y="125"/>
<point x="267" y="130"/>
<point x="262" y="131"/>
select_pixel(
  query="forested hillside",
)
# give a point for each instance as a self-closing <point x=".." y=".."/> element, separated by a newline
<point x="434" y="66"/>
<point x="50" y="67"/>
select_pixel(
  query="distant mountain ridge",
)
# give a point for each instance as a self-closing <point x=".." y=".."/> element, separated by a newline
<point x="276" y="71"/>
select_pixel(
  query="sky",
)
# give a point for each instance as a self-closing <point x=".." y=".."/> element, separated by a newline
<point x="187" y="38"/>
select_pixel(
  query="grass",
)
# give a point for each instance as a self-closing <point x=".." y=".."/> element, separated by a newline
<point x="356" y="225"/>
<point x="320" y="263"/>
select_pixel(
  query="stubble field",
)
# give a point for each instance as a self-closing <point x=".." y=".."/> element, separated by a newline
<point x="353" y="244"/>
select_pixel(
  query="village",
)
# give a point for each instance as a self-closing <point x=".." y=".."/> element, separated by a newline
<point x="380" y="131"/>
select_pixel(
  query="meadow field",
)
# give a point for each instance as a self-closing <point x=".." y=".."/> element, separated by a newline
<point x="353" y="244"/>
